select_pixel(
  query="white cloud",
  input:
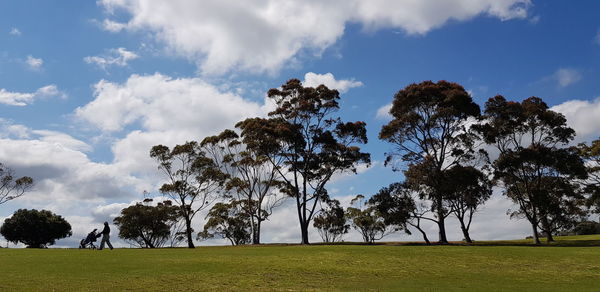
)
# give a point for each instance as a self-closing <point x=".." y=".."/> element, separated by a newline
<point x="14" y="31"/>
<point x="34" y="63"/>
<point x="264" y="35"/>
<point x="383" y="112"/>
<point x="117" y="57"/>
<point x="566" y="76"/>
<point x="23" y="99"/>
<point x="583" y="116"/>
<point x="313" y="79"/>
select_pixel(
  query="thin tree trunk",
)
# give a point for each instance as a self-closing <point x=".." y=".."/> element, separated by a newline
<point x="536" y="238"/>
<point x="441" y="223"/>
<point x="465" y="232"/>
<point x="547" y="228"/>
<point x="256" y="237"/>
<point x="188" y="232"/>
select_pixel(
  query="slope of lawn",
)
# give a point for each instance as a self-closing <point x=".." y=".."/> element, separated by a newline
<point x="301" y="268"/>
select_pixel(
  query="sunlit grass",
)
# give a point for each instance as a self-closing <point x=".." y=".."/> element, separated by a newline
<point x="300" y="268"/>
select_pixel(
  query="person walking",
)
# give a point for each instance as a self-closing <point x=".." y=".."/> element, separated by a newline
<point x="105" y="237"/>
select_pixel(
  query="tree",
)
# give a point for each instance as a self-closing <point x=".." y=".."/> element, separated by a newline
<point x="192" y="180"/>
<point x="591" y="156"/>
<point x="468" y="189"/>
<point x="331" y="222"/>
<point x="305" y="144"/>
<point x="429" y="131"/>
<point x="250" y="177"/>
<point x="36" y="229"/>
<point x="228" y="220"/>
<point x="536" y="173"/>
<point x="398" y="205"/>
<point x="147" y="226"/>
<point x="11" y="187"/>
<point x="367" y="220"/>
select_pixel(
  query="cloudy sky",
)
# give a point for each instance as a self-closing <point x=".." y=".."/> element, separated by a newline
<point x="87" y="87"/>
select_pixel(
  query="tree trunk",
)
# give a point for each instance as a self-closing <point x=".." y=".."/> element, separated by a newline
<point x="188" y="232"/>
<point x="547" y="229"/>
<point x="441" y="223"/>
<point x="304" y="229"/>
<point x="536" y="237"/>
<point x="465" y="231"/>
<point x="256" y="235"/>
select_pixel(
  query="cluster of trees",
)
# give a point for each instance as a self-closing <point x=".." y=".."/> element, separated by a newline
<point x="451" y="155"/>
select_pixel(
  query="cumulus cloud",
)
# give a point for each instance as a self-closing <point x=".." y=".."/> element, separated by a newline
<point x="23" y="99"/>
<point x="383" y="112"/>
<point x="264" y="35"/>
<point x="566" y="76"/>
<point x="313" y="79"/>
<point x="115" y="57"/>
<point x="583" y="116"/>
<point x="34" y="63"/>
<point x="14" y="31"/>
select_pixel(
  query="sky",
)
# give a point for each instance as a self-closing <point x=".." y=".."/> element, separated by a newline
<point x="88" y="87"/>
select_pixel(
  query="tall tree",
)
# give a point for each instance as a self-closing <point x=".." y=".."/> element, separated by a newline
<point x="250" y="177"/>
<point x="310" y="143"/>
<point x="468" y="189"/>
<point x="146" y="225"/>
<point x="228" y="220"/>
<point x="192" y="180"/>
<point x="36" y="229"/>
<point x="532" y="166"/>
<point x="11" y="187"/>
<point x="331" y="222"/>
<point x="429" y="130"/>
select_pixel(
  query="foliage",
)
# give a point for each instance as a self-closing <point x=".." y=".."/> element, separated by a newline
<point x="399" y="206"/>
<point x="306" y="144"/>
<point x="228" y="220"/>
<point x="331" y="222"/>
<point x="591" y="156"/>
<point x="537" y="174"/>
<point x="192" y="180"/>
<point x="11" y="187"/>
<point x="36" y="229"/>
<point x="586" y="228"/>
<point x="467" y="189"/>
<point x="429" y="135"/>
<point x="250" y="177"/>
<point x="147" y="226"/>
<point x="367" y="220"/>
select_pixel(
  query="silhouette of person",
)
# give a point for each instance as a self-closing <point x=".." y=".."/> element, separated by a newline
<point x="105" y="237"/>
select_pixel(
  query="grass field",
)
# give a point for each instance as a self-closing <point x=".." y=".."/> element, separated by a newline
<point x="571" y="265"/>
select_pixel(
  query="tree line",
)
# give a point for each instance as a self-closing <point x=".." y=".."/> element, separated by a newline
<point x="450" y="153"/>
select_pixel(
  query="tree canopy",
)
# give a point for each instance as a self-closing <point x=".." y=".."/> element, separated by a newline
<point x="35" y="229"/>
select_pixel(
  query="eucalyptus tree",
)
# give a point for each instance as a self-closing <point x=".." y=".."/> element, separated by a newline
<point x="366" y="219"/>
<point x="399" y="204"/>
<point x="250" y="177"/>
<point x="146" y="225"/>
<point x="306" y="144"/>
<point x="535" y="166"/>
<point x="228" y="221"/>
<point x="192" y="180"/>
<point x="12" y="187"/>
<point x="468" y="188"/>
<point x="331" y="222"/>
<point x="429" y="132"/>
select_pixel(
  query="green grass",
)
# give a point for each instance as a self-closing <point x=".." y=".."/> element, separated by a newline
<point x="301" y="268"/>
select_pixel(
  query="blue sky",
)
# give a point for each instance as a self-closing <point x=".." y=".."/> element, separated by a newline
<point x="87" y="87"/>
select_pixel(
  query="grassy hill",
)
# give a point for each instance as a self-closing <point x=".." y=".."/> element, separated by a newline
<point x="558" y="267"/>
